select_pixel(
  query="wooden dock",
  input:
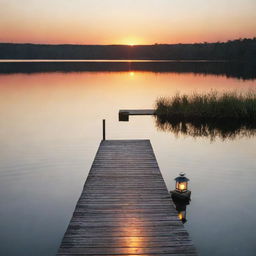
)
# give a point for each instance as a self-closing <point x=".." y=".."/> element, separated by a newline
<point x="125" y="208"/>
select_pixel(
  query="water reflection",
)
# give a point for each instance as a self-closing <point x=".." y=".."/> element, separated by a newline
<point x="181" y="207"/>
<point x="228" y="130"/>
<point x="241" y="70"/>
<point x="49" y="136"/>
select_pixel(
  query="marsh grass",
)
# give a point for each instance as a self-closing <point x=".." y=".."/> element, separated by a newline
<point x="226" y="114"/>
<point x="211" y="106"/>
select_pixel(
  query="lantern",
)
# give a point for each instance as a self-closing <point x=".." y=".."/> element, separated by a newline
<point x="181" y="183"/>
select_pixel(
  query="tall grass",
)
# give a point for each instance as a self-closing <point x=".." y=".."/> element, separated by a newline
<point x="224" y="115"/>
<point x="212" y="107"/>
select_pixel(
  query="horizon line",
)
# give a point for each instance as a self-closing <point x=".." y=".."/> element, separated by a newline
<point x="133" y="45"/>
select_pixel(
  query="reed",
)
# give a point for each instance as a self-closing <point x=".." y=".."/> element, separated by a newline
<point x="210" y="107"/>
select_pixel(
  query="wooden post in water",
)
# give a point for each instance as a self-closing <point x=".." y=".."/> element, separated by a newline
<point x="104" y="129"/>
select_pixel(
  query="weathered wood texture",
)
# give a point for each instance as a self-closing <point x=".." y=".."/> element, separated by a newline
<point x="138" y="112"/>
<point x="125" y="208"/>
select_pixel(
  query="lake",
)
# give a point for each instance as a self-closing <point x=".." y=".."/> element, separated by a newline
<point x="51" y="127"/>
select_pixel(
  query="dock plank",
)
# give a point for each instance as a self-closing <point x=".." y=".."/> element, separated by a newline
<point x="125" y="208"/>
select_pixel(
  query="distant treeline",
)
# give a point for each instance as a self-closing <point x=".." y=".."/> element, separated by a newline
<point x="237" y="50"/>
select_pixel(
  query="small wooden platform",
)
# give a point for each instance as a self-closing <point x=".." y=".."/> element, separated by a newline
<point x="125" y="208"/>
<point x="125" y="113"/>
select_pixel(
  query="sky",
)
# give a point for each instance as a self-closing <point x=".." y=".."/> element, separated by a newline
<point x="126" y="21"/>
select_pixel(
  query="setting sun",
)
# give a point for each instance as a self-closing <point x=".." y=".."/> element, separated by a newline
<point x="131" y="41"/>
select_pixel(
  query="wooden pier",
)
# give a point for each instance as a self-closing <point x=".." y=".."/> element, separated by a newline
<point x="125" y="208"/>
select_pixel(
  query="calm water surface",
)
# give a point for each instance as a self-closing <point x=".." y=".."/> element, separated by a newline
<point x="50" y="129"/>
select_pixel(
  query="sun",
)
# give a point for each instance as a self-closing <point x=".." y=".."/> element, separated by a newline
<point x="131" y="41"/>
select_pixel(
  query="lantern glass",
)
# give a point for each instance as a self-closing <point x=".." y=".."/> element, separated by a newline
<point x="182" y="186"/>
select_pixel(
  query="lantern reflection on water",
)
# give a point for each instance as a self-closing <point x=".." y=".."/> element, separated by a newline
<point x="181" y="208"/>
<point x="182" y="216"/>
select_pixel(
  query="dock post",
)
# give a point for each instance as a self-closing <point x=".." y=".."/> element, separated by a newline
<point x="104" y="129"/>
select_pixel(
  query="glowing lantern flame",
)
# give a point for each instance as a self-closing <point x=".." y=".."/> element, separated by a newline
<point x="182" y="186"/>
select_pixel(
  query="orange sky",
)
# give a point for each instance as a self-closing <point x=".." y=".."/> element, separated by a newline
<point x="126" y="21"/>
